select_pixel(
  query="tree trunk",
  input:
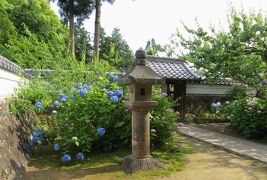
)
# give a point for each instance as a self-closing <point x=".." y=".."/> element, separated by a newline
<point x="97" y="28"/>
<point x="71" y="29"/>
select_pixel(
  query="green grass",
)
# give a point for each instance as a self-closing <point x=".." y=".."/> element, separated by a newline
<point x="46" y="161"/>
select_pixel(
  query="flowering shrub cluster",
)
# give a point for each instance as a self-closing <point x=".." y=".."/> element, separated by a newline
<point x="248" y="115"/>
<point x="164" y="120"/>
<point x="80" y="117"/>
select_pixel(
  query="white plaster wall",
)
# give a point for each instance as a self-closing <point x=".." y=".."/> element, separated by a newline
<point x="205" y="89"/>
<point x="8" y="83"/>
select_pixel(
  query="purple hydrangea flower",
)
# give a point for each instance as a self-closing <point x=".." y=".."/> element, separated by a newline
<point x="115" y="79"/>
<point x="114" y="99"/>
<point x="110" y="93"/>
<point x="177" y="113"/>
<point x="39" y="105"/>
<point x="56" y="147"/>
<point x="65" y="158"/>
<point x="101" y="131"/>
<point x="180" y="124"/>
<point x="82" y="93"/>
<point x="56" y="103"/>
<point x="80" y="156"/>
<point x="118" y="93"/>
<point x="103" y="90"/>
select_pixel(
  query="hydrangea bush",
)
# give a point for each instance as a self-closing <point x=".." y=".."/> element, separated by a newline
<point x="248" y="115"/>
<point x="80" y="111"/>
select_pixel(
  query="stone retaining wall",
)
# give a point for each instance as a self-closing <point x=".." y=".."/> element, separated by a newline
<point x="13" y="144"/>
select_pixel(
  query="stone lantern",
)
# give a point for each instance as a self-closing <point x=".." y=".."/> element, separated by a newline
<point x="140" y="79"/>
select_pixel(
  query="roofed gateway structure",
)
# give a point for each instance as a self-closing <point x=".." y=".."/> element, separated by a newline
<point x="181" y="80"/>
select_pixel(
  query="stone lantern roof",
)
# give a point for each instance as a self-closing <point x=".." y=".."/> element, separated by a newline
<point x="140" y="72"/>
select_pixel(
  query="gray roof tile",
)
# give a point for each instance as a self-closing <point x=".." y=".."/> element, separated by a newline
<point x="172" y="68"/>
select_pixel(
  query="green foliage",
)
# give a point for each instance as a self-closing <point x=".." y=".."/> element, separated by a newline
<point x="239" y="53"/>
<point x="31" y="34"/>
<point x="248" y="115"/>
<point x="153" y="48"/>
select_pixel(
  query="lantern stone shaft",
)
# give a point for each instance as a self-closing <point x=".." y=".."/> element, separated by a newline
<point x="140" y="80"/>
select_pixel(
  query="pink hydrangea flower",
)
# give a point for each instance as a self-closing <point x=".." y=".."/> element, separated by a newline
<point x="164" y="94"/>
<point x="177" y="113"/>
<point x="249" y="104"/>
<point x="180" y="124"/>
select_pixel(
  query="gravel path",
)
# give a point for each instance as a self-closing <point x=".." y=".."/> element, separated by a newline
<point x="234" y="145"/>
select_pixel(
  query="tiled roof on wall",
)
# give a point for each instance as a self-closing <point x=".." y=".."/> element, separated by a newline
<point x="8" y="65"/>
<point x="170" y="68"/>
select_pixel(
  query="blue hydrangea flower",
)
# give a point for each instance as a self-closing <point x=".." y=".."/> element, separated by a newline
<point x="35" y="138"/>
<point x="63" y="100"/>
<point x="31" y="144"/>
<point x="103" y="90"/>
<point x="86" y="86"/>
<point x="115" y="79"/>
<point x="54" y="112"/>
<point x="80" y="156"/>
<point x="72" y="97"/>
<point x="45" y="142"/>
<point x="39" y="105"/>
<point x="110" y="93"/>
<point x="56" y="103"/>
<point x="101" y="131"/>
<point x="63" y="96"/>
<point x="65" y="158"/>
<point x="118" y="93"/>
<point x="56" y="147"/>
<point x="114" y="99"/>
<point x="37" y="132"/>
<point x="82" y="92"/>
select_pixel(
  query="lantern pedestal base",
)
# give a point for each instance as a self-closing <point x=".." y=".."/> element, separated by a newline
<point x="131" y="164"/>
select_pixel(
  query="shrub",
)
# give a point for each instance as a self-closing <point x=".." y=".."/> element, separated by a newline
<point x="248" y="115"/>
<point x="163" y="120"/>
<point x="81" y="117"/>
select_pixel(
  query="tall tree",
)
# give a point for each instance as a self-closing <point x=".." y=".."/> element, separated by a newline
<point x="97" y="26"/>
<point x="115" y="50"/>
<point x="71" y="9"/>
<point x="83" y="48"/>
<point x="239" y="53"/>
<point x="153" y="48"/>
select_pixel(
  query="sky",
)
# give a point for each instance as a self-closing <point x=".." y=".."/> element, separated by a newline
<point x="142" y="20"/>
